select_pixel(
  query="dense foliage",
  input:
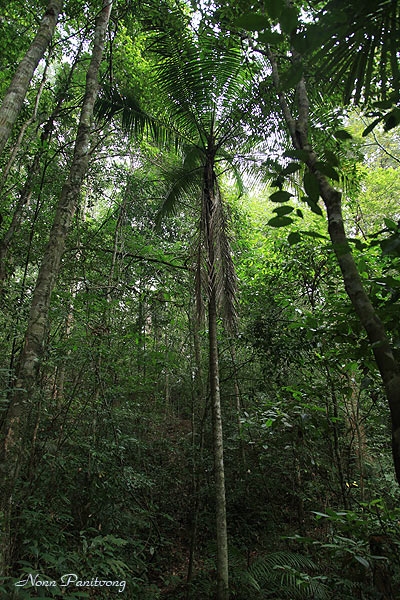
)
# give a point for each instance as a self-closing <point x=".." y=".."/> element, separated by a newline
<point x="196" y="288"/>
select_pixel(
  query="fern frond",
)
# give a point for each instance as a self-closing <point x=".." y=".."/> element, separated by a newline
<point x="287" y="574"/>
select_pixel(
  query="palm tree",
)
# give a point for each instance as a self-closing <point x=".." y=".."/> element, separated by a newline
<point x="205" y="91"/>
<point x="205" y="86"/>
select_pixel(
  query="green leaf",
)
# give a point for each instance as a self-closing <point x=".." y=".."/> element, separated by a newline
<point x="327" y="170"/>
<point x="342" y="134"/>
<point x="314" y="206"/>
<point x="302" y="155"/>
<point x="299" y="213"/>
<point x="280" y="196"/>
<point x="283" y="210"/>
<point x="274" y="8"/>
<point x="291" y="168"/>
<point x="315" y="235"/>
<point x="311" y="186"/>
<point x="280" y="221"/>
<point x="390" y="224"/>
<point x="252" y="22"/>
<point x="292" y="77"/>
<point x="289" y="19"/>
<point x="316" y="36"/>
<point x="294" y="238"/>
<point x="392" y="119"/>
<point x="270" y="37"/>
<point x="362" y="561"/>
<point x="391" y="245"/>
<point x="371" y="126"/>
<point x="331" y="158"/>
<point x="384" y="105"/>
<point x="300" y="43"/>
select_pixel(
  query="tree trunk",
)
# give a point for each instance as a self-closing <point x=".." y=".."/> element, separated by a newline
<point x="18" y="88"/>
<point x="373" y="326"/>
<point x="220" y="501"/>
<point x="210" y="199"/>
<point x="383" y="353"/>
<point x="33" y="171"/>
<point x="22" y="397"/>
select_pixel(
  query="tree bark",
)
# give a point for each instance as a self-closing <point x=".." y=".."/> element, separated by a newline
<point x="219" y="470"/>
<point x="18" y="88"/>
<point x="388" y="366"/>
<point x="210" y="200"/>
<point x="22" y="397"/>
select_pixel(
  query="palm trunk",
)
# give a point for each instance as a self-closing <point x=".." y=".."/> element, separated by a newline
<point x="211" y="229"/>
<point x="22" y="397"/>
<point x="220" y="501"/>
<point x="18" y="88"/>
<point x="388" y="367"/>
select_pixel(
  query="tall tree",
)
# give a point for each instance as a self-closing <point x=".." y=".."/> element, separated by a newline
<point x="206" y="94"/>
<point x="21" y="397"/>
<point x="294" y="101"/>
<point x="15" y="95"/>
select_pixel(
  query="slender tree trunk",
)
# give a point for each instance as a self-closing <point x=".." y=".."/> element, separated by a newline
<point x="219" y="470"/>
<point x="198" y="399"/>
<point x="388" y="367"/>
<point x="33" y="171"/>
<point x="238" y="408"/>
<point x="23" y="129"/>
<point x="31" y="354"/>
<point x="210" y="199"/>
<point x="18" y="88"/>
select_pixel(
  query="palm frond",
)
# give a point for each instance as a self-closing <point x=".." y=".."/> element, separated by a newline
<point x="361" y="48"/>
<point x="185" y="182"/>
<point x="221" y="274"/>
<point x="134" y="120"/>
<point x="200" y="80"/>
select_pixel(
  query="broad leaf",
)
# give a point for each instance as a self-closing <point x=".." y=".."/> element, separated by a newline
<point x="327" y="170"/>
<point x="292" y="77"/>
<point x="280" y="196"/>
<point x="371" y="126"/>
<point x="311" y="186"/>
<point x="291" y="168"/>
<point x="294" y="238"/>
<point x="331" y="158"/>
<point x="253" y="22"/>
<point x="342" y="134"/>
<point x="289" y="19"/>
<point x="280" y="221"/>
<point x="283" y="210"/>
<point x="392" y="119"/>
<point x="302" y="155"/>
<point x="313" y="205"/>
<point x="270" y="37"/>
<point x="274" y="8"/>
